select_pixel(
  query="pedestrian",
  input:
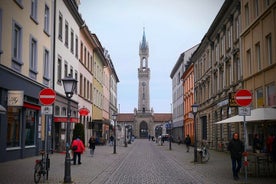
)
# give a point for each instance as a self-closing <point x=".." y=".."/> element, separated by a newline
<point x="179" y="140"/>
<point x="269" y="142"/>
<point x="92" y="145"/>
<point x="111" y="139"/>
<point x="188" y="142"/>
<point x="256" y="144"/>
<point x="78" y="148"/>
<point x="236" y="148"/>
<point x="273" y="150"/>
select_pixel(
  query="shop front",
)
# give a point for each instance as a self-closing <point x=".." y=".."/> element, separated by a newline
<point x="20" y="121"/>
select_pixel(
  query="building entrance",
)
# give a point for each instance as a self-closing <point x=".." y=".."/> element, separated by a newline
<point x="143" y="130"/>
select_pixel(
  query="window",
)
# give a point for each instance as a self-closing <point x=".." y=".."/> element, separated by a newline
<point x="72" y="41"/>
<point x="46" y="19"/>
<point x="256" y="8"/>
<point x="229" y="35"/>
<point x="59" y="69"/>
<point x="65" y="69"/>
<point x="259" y="98"/>
<point x="60" y="22"/>
<point x="81" y="86"/>
<point x="76" y="77"/>
<point x="57" y="110"/>
<point x="46" y="64"/>
<point x="34" y="10"/>
<point x="66" y="33"/>
<point x="237" y="28"/>
<point x="246" y="10"/>
<point x="237" y="69"/>
<point x="33" y="56"/>
<point x="71" y="71"/>
<point x="81" y="52"/>
<point x="84" y="87"/>
<point x="1" y="51"/>
<point x="17" y="43"/>
<point x="13" y="127"/>
<point x="258" y="56"/>
<point x="271" y="95"/>
<point x="267" y="2"/>
<point x="248" y="59"/>
<point x="269" y="49"/>
<point x="30" y="127"/>
<point x="76" y="47"/>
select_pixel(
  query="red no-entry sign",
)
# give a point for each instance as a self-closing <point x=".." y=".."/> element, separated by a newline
<point x="47" y="96"/>
<point x="243" y="97"/>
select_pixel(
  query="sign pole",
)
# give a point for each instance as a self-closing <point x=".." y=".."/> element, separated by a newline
<point x="243" y="98"/>
<point x="245" y="149"/>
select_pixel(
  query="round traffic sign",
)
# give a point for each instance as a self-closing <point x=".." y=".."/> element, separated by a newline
<point x="47" y="96"/>
<point x="243" y="97"/>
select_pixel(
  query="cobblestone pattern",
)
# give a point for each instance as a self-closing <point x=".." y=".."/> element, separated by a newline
<point x="141" y="162"/>
<point x="145" y="164"/>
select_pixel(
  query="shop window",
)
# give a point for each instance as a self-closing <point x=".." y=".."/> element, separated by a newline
<point x="30" y="127"/>
<point x="13" y="128"/>
<point x="259" y="97"/>
<point x="271" y="95"/>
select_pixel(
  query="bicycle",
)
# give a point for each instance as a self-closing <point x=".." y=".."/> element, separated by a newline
<point x="41" y="167"/>
<point x="204" y="153"/>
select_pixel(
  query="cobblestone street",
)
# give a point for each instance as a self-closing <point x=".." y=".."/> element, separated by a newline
<point x="142" y="162"/>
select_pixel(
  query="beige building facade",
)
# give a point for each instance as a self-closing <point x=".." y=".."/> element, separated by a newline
<point x="217" y="74"/>
<point x="237" y="52"/>
<point x="258" y="46"/>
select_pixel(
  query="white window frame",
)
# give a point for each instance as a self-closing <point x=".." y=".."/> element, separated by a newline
<point x="47" y="19"/>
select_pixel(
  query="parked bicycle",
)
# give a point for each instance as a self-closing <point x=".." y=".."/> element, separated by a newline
<point x="42" y="167"/>
<point x="204" y="153"/>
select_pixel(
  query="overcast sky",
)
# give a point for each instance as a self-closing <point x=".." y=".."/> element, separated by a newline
<point x="171" y="27"/>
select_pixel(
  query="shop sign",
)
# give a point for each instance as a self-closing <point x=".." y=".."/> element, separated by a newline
<point x="15" y="98"/>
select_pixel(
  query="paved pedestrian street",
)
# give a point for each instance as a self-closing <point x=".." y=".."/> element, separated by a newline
<point x="142" y="162"/>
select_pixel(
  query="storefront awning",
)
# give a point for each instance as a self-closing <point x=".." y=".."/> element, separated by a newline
<point x="260" y="114"/>
<point x="2" y="110"/>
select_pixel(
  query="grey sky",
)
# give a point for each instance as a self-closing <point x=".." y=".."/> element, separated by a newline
<point x="171" y="27"/>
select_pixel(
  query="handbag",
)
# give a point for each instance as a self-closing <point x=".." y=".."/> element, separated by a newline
<point x="74" y="148"/>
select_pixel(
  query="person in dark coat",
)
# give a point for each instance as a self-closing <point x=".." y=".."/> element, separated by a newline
<point x="236" y="148"/>
<point x="188" y="142"/>
<point x="92" y="145"/>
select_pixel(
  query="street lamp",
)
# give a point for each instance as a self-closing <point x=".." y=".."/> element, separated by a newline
<point x="170" y="147"/>
<point x="194" y="110"/>
<point x="69" y="84"/>
<point x="114" y="116"/>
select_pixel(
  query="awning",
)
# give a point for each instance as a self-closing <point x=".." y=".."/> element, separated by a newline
<point x="2" y="110"/>
<point x="260" y="114"/>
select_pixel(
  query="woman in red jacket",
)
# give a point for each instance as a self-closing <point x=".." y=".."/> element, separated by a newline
<point x="78" y="148"/>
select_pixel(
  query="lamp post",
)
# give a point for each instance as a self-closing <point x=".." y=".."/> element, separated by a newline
<point x="125" y="135"/>
<point x="171" y="130"/>
<point x="170" y="147"/>
<point x="69" y="84"/>
<point x="194" y="110"/>
<point x="114" y="116"/>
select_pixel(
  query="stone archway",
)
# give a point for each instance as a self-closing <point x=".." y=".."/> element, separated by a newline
<point x="143" y="130"/>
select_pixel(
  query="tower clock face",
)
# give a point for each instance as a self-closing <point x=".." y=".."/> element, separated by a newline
<point x="143" y="83"/>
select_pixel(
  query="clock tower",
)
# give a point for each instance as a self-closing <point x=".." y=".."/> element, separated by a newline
<point x="143" y="77"/>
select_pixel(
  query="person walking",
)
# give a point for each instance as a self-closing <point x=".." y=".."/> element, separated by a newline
<point x="111" y="139"/>
<point x="257" y="146"/>
<point x="92" y="145"/>
<point x="188" y="142"/>
<point x="78" y="148"/>
<point x="236" y="148"/>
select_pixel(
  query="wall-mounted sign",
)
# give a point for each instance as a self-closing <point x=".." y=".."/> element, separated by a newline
<point x="232" y="101"/>
<point x="15" y="98"/>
